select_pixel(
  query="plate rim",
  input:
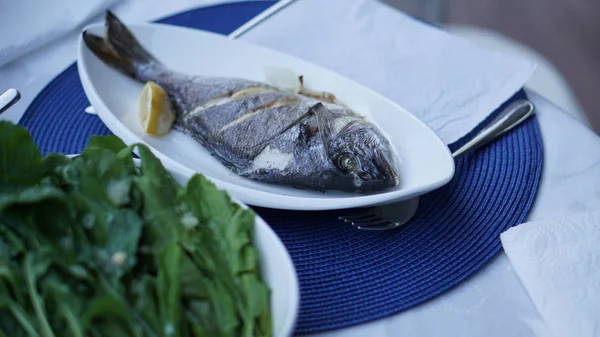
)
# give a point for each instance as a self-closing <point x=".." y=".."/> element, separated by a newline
<point x="249" y="195"/>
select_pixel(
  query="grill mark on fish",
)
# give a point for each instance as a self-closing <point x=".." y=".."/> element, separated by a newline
<point x="232" y="96"/>
<point x="215" y="118"/>
<point x="210" y="104"/>
<point x="259" y="129"/>
<point x="252" y="91"/>
<point x="273" y="105"/>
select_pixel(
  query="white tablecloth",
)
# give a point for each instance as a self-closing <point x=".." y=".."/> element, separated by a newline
<point x="492" y="302"/>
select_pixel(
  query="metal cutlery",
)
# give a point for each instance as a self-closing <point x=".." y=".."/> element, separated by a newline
<point x="394" y="215"/>
<point x="8" y="99"/>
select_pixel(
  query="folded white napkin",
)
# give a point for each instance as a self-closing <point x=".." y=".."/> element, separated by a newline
<point x="448" y="82"/>
<point x="28" y="24"/>
<point x="558" y="262"/>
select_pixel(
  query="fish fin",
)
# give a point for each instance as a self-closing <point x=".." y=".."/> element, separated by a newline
<point x="128" y="55"/>
<point x="104" y="51"/>
<point x="325" y="119"/>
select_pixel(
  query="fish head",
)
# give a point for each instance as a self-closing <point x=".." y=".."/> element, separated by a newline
<point x="363" y="156"/>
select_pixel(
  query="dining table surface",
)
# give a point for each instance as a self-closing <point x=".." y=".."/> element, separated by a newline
<point x="492" y="302"/>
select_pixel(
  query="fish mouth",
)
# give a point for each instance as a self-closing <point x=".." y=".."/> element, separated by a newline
<point x="385" y="164"/>
<point x="381" y="176"/>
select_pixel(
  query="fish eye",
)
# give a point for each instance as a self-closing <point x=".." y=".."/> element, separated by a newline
<point x="347" y="162"/>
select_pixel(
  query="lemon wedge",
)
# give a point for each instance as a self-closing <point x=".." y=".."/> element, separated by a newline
<point x="155" y="112"/>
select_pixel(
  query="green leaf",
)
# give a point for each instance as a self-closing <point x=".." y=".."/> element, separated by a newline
<point x="53" y="165"/>
<point x="145" y="302"/>
<point x="104" y="170"/>
<point x="35" y="265"/>
<point x="11" y="244"/>
<point x="118" y="255"/>
<point x="21" y="317"/>
<point x="93" y="246"/>
<point x="9" y="278"/>
<point x="197" y="329"/>
<point x="169" y="289"/>
<point x="53" y="162"/>
<point x="109" y="309"/>
<point x="37" y="215"/>
<point x="68" y="305"/>
<point x="110" y="142"/>
<point x="101" y="189"/>
<point x="29" y="195"/>
<point x="20" y="159"/>
<point x="160" y="190"/>
<point x="221" y="248"/>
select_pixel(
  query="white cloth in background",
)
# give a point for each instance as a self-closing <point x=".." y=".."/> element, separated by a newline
<point x="493" y="302"/>
<point x="26" y="25"/>
<point x="448" y="82"/>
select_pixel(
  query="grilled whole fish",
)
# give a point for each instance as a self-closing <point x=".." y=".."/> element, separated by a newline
<point x="260" y="131"/>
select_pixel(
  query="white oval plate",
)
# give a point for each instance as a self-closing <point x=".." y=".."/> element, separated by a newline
<point x="425" y="161"/>
<point x="276" y="265"/>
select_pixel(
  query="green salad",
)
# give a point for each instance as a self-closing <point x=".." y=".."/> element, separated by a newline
<point x="97" y="246"/>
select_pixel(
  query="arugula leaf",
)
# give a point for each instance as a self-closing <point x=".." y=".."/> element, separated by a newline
<point x="20" y="159"/>
<point x="112" y="143"/>
<point x="144" y="300"/>
<point x="29" y="195"/>
<point x="160" y="192"/>
<point x="34" y="266"/>
<point x="113" y="313"/>
<point x="220" y="247"/>
<point x="68" y="307"/>
<point x="17" y="318"/>
<point x="169" y="289"/>
<point x="117" y="256"/>
<point x="94" y="246"/>
<point x="37" y="215"/>
<point x="115" y="230"/>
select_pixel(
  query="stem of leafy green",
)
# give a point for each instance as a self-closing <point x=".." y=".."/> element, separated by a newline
<point x="35" y="299"/>
<point x="23" y="318"/>
<point x="169" y="289"/>
<point x="74" y="326"/>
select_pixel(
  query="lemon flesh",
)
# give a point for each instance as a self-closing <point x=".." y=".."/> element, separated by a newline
<point x="155" y="113"/>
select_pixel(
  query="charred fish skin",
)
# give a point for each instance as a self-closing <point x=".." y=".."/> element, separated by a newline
<point x="301" y="139"/>
<point x="365" y="168"/>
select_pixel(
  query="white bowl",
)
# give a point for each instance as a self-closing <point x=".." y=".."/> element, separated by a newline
<point x="425" y="161"/>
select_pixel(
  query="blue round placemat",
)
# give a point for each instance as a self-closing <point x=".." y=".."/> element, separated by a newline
<point x="348" y="276"/>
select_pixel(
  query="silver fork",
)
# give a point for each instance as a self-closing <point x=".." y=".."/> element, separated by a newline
<point x="394" y="215"/>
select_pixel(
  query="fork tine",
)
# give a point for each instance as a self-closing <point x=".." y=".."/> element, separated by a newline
<point x="371" y="222"/>
<point x="380" y="226"/>
<point x="366" y="219"/>
<point x="383" y="217"/>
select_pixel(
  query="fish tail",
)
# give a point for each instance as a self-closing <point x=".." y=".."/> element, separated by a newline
<point x="122" y="51"/>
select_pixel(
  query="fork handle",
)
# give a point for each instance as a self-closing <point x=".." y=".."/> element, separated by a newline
<point x="7" y="99"/>
<point x="513" y="115"/>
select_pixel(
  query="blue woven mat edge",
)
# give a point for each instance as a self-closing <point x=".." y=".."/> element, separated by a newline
<point x="305" y="325"/>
